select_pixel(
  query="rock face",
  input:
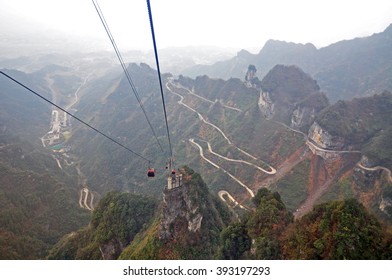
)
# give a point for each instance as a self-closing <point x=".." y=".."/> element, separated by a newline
<point x="250" y="78"/>
<point x="266" y="105"/>
<point x="302" y="115"/>
<point x="323" y="139"/>
<point x="180" y="212"/>
<point x="191" y="217"/>
<point x="289" y="95"/>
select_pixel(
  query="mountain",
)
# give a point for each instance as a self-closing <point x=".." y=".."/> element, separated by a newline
<point x="224" y="122"/>
<point x="39" y="201"/>
<point x="355" y="122"/>
<point x="290" y="96"/>
<point x="361" y="127"/>
<point x="334" y="230"/>
<point x="192" y="224"/>
<point x="344" y="70"/>
<point x="256" y="237"/>
<point x="186" y="225"/>
<point x="306" y="150"/>
<point x="337" y="230"/>
<point x="114" y="224"/>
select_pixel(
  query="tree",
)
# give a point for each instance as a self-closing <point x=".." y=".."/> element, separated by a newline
<point x="235" y="241"/>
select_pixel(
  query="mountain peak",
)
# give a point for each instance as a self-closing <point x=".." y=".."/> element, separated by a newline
<point x="244" y="54"/>
<point x="283" y="46"/>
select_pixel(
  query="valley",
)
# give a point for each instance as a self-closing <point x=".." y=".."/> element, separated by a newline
<point x="272" y="150"/>
<point x="171" y="87"/>
<point x="57" y="139"/>
<point x="282" y="171"/>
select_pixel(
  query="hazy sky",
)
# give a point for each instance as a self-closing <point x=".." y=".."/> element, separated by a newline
<point x="239" y="24"/>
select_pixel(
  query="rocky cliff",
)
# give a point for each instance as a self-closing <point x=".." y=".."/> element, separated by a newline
<point x="323" y="139"/>
<point x="355" y="124"/>
<point x="188" y="225"/>
<point x="179" y="210"/>
<point x="291" y="96"/>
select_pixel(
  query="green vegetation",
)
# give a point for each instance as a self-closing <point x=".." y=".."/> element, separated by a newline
<point x="293" y="187"/>
<point x="38" y="200"/>
<point x="175" y="240"/>
<point x="379" y="148"/>
<point x="235" y="241"/>
<point x="333" y="230"/>
<point x="358" y="120"/>
<point x="36" y="210"/>
<point x="264" y="226"/>
<point x="337" y="230"/>
<point x="115" y="222"/>
<point x="290" y="88"/>
<point x="340" y="190"/>
<point x="267" y="223"/>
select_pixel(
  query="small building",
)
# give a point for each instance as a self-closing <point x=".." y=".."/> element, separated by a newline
<point x="174" y="181"/>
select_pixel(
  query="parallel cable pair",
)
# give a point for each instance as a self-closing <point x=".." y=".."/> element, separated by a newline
<point x="99" y="11"/>
<point x="128" y="76"/>
<point x="101" y="16"/>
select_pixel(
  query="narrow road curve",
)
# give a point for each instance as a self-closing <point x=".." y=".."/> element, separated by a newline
<point x="218" y="167"/>
<point x="312" y="145"/>
<point x="84" y="193"/>
<point x="205" y="99"/>
<point x="222" y="193"/>
<point x="377" y="168"/>
<point x="273" y="170"/>
<point x="76" y="97"/>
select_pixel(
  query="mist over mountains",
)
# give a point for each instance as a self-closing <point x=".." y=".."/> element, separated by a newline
<point x="344" y="70"/>
<point x="259" y="140"/>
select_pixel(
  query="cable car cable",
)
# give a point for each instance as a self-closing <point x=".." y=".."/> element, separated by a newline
<point x="159" y="74"/>
<point x="78" y="119"/>
<point x="128" y="76"/>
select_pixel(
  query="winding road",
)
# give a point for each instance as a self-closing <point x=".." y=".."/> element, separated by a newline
<point x="222" y="193"/>
<point x="218" y="167"/>
<point x="76" y="99"/>
<point x="307" y="205"/>
<point x="272" y="171"/>
<point x="83" y="197"/>
<point x="377" y="168"/>
<point x="86" y="197"/>
<point x="201" y="151"/>
<point x="207" y="100"/>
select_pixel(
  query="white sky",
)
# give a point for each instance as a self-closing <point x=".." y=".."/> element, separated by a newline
<point x="242" y="24"/>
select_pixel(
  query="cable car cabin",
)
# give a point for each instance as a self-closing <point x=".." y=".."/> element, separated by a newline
<point x="173" y="172"/>
<point x="151" y="172"/>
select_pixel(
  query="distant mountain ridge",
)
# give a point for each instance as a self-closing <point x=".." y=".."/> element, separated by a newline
<point x="344" y="70"/>
<point x="220" y="129"/>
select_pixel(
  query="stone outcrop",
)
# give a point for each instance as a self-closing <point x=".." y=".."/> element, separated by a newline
<point x="267" y="107"/>
<point x="250" y="78"/>
<point x="189" y="211"/>
<point x="180" y="212"/>
<point x="302" y="116"/>
<point x="290" y="96"/>
<point x="323" y="139"/>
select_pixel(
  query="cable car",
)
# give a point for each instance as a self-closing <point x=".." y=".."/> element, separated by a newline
<point x="151" y="172"/>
